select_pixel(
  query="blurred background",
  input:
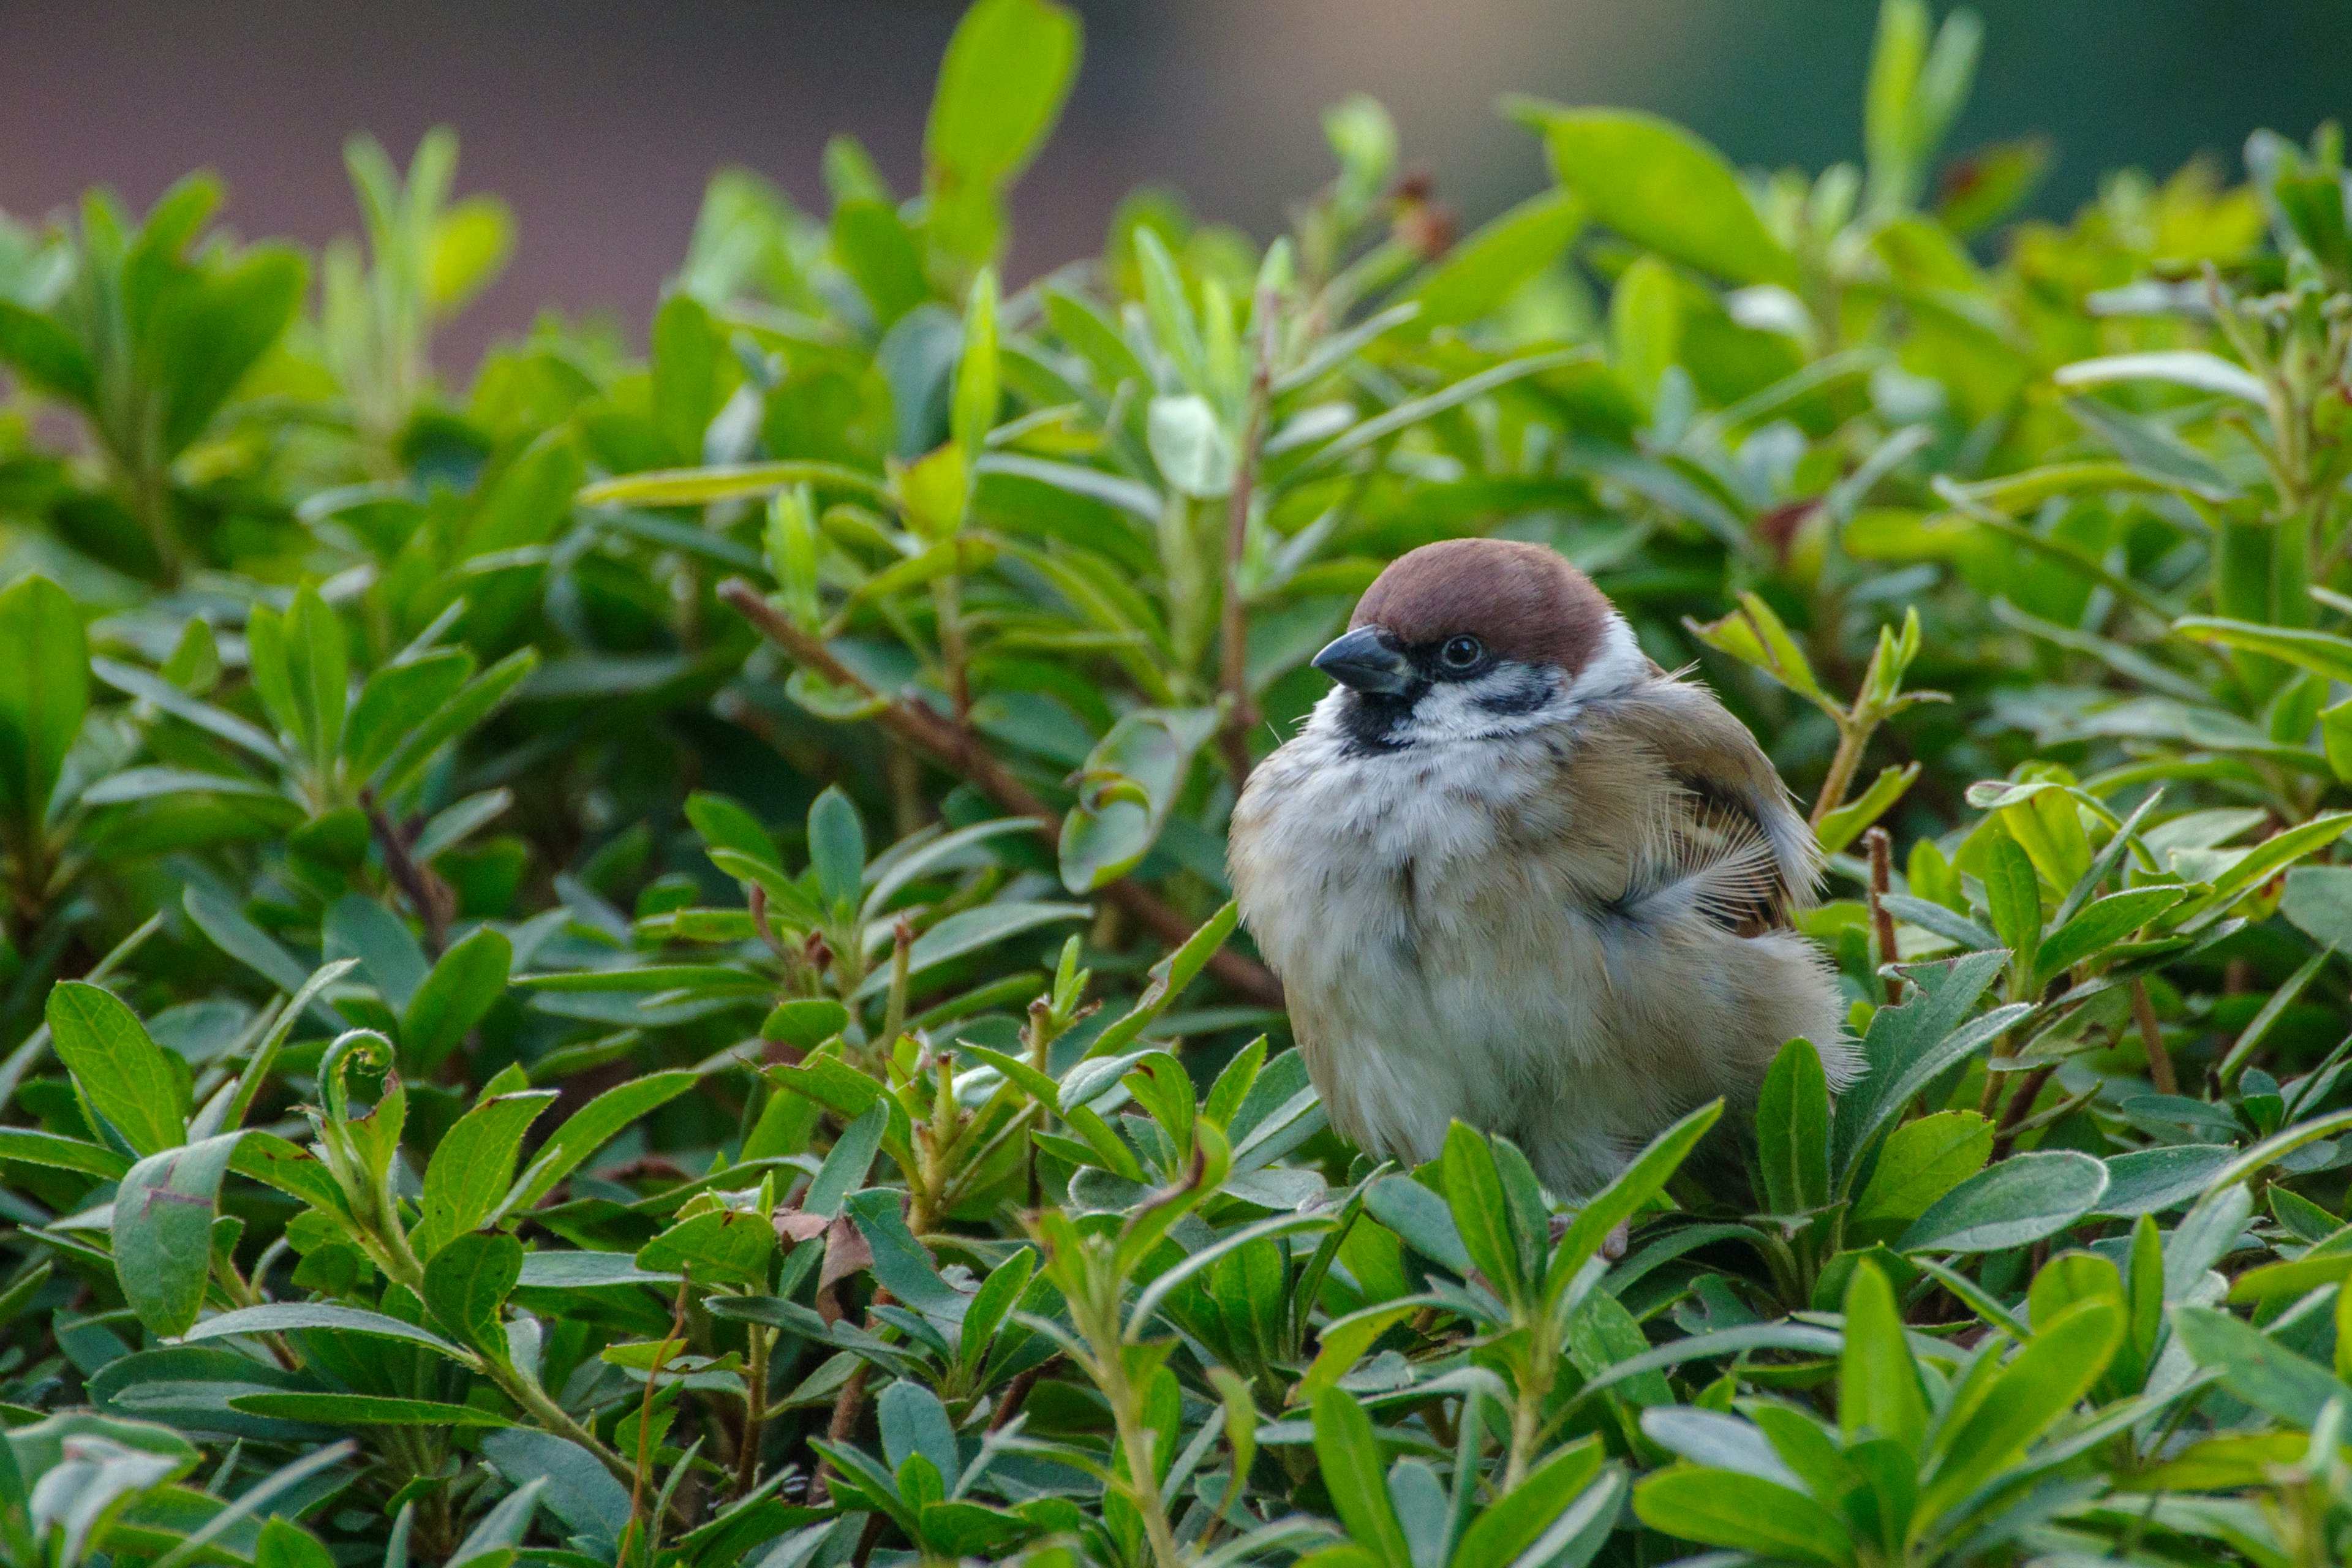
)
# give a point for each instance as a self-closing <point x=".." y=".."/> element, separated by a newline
<point x="600" y="120"/>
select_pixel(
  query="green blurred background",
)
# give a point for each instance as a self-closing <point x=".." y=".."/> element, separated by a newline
<point x="599" y="120"/>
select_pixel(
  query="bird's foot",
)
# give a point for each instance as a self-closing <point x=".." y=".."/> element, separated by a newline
<point x="1613" y="1246"/>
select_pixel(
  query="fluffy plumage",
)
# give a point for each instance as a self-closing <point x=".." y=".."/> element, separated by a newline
<point x="1545" y="890"/>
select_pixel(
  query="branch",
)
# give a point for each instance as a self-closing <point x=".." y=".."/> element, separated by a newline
<point x="959" y="752"/>
<point x="421" y="888"/>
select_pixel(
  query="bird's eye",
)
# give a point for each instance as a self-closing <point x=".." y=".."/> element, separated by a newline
<point x="1461" y="653"/>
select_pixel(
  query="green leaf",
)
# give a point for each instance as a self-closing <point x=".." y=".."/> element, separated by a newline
<point x="1622" y="1198"/>
<point x="1008" y="70"/>
<point x="118" y="1070"/>
<point x="687" y="355"/>
<point x="969" y="930"/>
<point x="1473" y="1195"/>
<point x="1663" y="188"/>
<point x="913" y="1421"/>
<point x="164" y="1232"/>
<point x="227" y="929"/>
<point x="2319" y="901"/>
<point x="59" y="1153"/>
<point x="1475" y="277"/>
<point x="2149" y="1181"/>
<point x="206" y="337"/>
<point x="399" y="698"/>
<point x="356" y="926"/>
<point x="278" y="1317"/>
<point x="463" y="986"/>
<point x="317" y="678"/>
<point x="1126" y="788"/>
<point x="2014" y="893"/>
<point x="973" y="414"/>
<point x="473" y="1168"/>
<point x="1848" y="822"/>
<point x="2256" y="1368"/>
<point x="2041" y="1385"/>
<point x="467" y="1281"/>
<point x="1878" y="1382"/>
<point x="1793" y="1131"/>
<point x="592" y="1127"/>
<point x="2021" y="1200"/>
<point x="1906" y="1046"/>
<point x="836" y="840"/>
<point x="1755" y="635"/>
<point x="1517" y="1519"/>
<point x="2190" y="368"/>
<point x="480" y="697"/>
<point x="2322" y="652"/>
<point x="364" y="1410"/>
<point x="44" y="692"/>
<point x="45" y="355"/>
<point x="1922" y="1161"/>
<point x="1421" y="1219"/>
<point x="720" y="1246"/>
<point x="1722" y="1507"/>
<point x="2100" y="924"/>
<point x="1350" y="1459"/>
<point x="725" y="825"/>
<point x="580" y="1490"/>
<point x="493" y="1540"/>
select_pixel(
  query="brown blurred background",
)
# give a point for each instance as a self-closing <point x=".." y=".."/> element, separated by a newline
<point x="599" y="120"/>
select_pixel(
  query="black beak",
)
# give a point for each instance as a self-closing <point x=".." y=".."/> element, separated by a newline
<point x="1367" y="659"/>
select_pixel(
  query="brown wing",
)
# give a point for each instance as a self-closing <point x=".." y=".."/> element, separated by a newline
<point x="1725" y="838"/>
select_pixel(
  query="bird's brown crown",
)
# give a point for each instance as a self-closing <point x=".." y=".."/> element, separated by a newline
<point x="1523" y="601"/>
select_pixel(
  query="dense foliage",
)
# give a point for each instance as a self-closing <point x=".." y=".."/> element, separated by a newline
<point x="629" y="964"/>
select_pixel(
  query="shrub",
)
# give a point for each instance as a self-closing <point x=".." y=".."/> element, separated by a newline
<point x="632" y="964"/>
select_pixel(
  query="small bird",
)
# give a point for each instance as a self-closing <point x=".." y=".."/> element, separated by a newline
<point x="1511" y="872"/>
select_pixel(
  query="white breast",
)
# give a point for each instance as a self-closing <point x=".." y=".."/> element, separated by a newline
<point x="1441" y="965"/>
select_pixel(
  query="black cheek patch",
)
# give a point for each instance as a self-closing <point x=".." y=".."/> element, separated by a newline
<point x="1367" y="719"/>
<point x="1527" y="692"/>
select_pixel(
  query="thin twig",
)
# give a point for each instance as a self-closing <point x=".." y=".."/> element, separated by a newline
<point x="1016" y="1393"/>
<point x="2151" y="1038"/>
<point x="845" y="1405"/>
<point x="1881" y="881"/>
<point x="961" y="752"/>
<point x="1852" y="737"/>
<point x="645" y="1408"/>
<point x="422" y="888"/>
<point x="2020" y="1101"/>
<point x="1233" y="637"/>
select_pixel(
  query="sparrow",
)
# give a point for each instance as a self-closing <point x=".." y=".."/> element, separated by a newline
<point x="1512" y="872"/>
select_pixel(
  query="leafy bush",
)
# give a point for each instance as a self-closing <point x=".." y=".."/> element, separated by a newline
<point x="632" y="965"/>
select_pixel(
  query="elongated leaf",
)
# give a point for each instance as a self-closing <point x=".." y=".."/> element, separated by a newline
<point x="2182" y="367"/>
<point x="463" y="986"/>
<point x="164" y="1231"/>
<point x="116" y="1067"/>
<point x="2023" y="1199"/>
<point x="467" y="1281"/>
<point x="969" y="930"/>
<point x="1722" y="1507"/>
<point x="1922" y="1161"/>
<point x="277" y="1317"/>
<point x="2044" y="1381"/>
<point x="44" y="692"/>
<point x="1350" y="1462"/>
<point x="590" y="1127"/>
<point x="1793" y="1131"/>
<point x="1662" y="188"/>
<point x="1878" y="1382"/>
<point x="474" y="1167"/>
<point x="364" y="1410"/>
